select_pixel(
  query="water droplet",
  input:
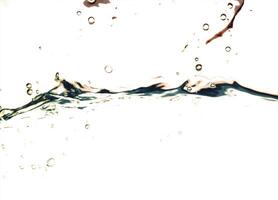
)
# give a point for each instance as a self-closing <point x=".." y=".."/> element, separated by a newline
<point x="29" y="91"/>
<point x="108" y="69"/>
<point x="78" y="13"/>
<point x="212" y="85"/>
<point x="37" y="91"/>
<point x="205" y="27"/>
<point x="21" y="167"/>
<point x="50" y="162"/>
<point x="196" y="59"/>
<point x="230" y="5"/>
<point x="223" y="17"/>
<point x="198" y="67"/>
<point x="29" y="85"/>
<point x="228" y="49"/>
<point x="87" y="126"/>
<point x="91" y="20"/>
<point x="57" y="76"/>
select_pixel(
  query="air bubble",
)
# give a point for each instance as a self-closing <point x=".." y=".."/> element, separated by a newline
<point x="29" y="85"/>
<point x="108" y="69"/>
<point x="50" y="162"/>
<point x="198" y="67"/>
<point x="223" y="17"/>
<point x="228" y="49"/>
<point x="230" y="5"/>
<point x="91" y="20"/>
<point x="206" y="27"/>
<point x="29" y="91"/>
<point x="78" y="13"/>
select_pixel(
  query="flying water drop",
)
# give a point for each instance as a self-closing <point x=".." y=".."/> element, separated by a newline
<point x="108" y="69"/>
<point x="206" y="27"/>
<point x="230" y="5"/>
<point x="228" y="49"/>
<point x="91" y="20"/>
<point x="78" y="13"/>
<point x="50" y="162"/>
<point x="223" y="17"/>
<point x="198" y="67"/>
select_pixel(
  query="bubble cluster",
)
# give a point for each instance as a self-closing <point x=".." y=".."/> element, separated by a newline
<point x="198" y="67"/>
<point x="91" y="20"/>
<point x="206" y="27"/>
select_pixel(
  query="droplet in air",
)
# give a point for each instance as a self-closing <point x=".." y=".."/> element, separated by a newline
<point x="228" y="49"/>
<point x="108" y="69"/>
<point x="91" y="20"/>
<point x="205" y="27"/>
<point x="230" y="5"/>
<point x="57" y="76"/>
<point x="198" y="67"/>
<point x="87" y="126"/>
<point x="50" y="162"/>
<point x="29" y="85"/>
<point x="30" y="91"/>
<point x="196" y="59"/>
<point x="223" y="17"/>
<point x="78" y="13"/>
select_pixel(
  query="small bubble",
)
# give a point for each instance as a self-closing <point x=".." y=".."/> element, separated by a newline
<point x="230" y="5"/>
<point x="87" y="126"/>
<point x="78" y="13"/>
<point x="91" y="20"/>
<point x="205" y="27"/>
<point x="228" y="49"/>
<point x="37" y="91"/>
<point x="57" y="76"/>
<point x="108" y="69"/>
<point x="212" y="85"/>
<point x="29" y="91"/>
<point x="223" y="17"/>
<point x="50" y="162"/>
<point x="196" y="59"/>
<point x="198" y="67"/>
<point x="29" y="85"/>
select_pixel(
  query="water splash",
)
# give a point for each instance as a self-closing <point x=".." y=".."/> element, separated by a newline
<point x="66" y="93"/>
